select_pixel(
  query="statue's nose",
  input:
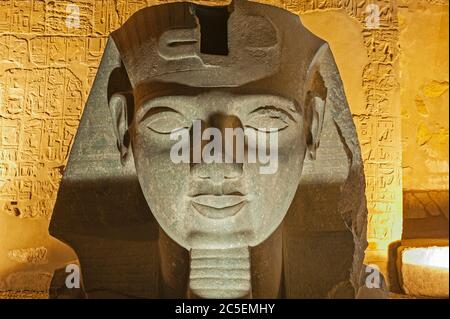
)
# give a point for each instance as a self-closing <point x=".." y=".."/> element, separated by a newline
<point x="226" y="164"/>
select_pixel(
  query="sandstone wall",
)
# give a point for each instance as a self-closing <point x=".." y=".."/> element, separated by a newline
<point x="424" y="106"/>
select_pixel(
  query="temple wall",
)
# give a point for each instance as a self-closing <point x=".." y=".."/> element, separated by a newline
<point x="395" y="75"/>
<point x="424" y="106"/>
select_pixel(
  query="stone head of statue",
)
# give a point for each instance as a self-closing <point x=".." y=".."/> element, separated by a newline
<point x="218" y="131"/>
<point x="216" y="109"/>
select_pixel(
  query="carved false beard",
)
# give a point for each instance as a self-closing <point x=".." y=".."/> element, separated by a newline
<point x="220" y="273"/>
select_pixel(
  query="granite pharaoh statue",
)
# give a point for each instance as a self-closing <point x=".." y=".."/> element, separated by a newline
<point x="148" y="221"/>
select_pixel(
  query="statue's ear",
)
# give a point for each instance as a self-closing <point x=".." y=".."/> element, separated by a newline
<point x="118" y="107"/>
<point x="121" y="107"/>
<point x="314" y="112"/>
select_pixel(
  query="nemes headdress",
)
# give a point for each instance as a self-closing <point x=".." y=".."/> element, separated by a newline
<point x="100" y="209"/>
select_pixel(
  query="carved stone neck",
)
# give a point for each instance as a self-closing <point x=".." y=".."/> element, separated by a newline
<point x="220" y="273"/>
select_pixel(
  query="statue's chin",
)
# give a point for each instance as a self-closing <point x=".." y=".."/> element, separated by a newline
<point x="242" y="229"/>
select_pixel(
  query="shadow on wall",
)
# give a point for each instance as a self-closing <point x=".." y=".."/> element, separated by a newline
<point x="425" y="214"/>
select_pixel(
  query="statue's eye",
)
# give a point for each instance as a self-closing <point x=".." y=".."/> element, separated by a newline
<point x="268" y="119"/>
<point x="164" y="120"/>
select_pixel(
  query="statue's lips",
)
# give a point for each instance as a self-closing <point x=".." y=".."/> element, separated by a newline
<point x="218" y="206"/>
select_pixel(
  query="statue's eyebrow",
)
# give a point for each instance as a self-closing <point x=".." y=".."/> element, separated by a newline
<point x="272" y="102"/>
<point x="155" y="106"/>
<point x="272" y="109"/>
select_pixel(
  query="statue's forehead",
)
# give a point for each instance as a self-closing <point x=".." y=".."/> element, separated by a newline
<point x="221" y="98"/>
<point x="256" y="90"/>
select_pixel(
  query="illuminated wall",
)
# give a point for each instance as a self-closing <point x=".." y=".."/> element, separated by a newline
<point x="46" y="71"/>
<point x="425" y="110"/>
